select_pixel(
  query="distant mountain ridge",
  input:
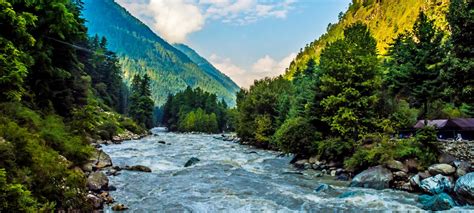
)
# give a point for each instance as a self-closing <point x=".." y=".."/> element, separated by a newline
<point x="208" y="67"/>
<point x="142" y="51"/>
<point x="385" y="18"/>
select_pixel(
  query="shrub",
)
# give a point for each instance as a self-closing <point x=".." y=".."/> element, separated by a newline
<point x="131" y="126"/>
<point x="15" y="197"/>
<point x="383" y="149"/>
<point x="297" y="136"/>
<point x="107" y="130"/>
<point x="334" y="148"/>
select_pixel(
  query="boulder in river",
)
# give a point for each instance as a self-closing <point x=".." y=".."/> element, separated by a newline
<point x="439" y="202"/>
<point x="436" y="184"/>
<point x="97" y="181"/>
<point x="138" y="168"/>
<point x="191" y="162"/>
<point x="98" y="160"/>
<point x="442" y="168"/>
<point x="95" y="201"/>
<point x="462" y="168"/>
<point x="162" y="142"/>
<point x="415" y="181"/>
<point x="327" y="189"/>
<point x="119" y="207"/>
<point x="301" y="164"/>
<point x="464" y="188"/>
<point x="376" y="177"/>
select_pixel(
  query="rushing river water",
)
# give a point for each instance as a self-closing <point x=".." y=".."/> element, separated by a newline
<point x="231" y="178"/>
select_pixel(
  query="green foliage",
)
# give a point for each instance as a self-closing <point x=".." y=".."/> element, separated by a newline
<point x="141" y="104"/>
<point x="54" y="86"/>
<point x="414" y="64"/>
<point x="334" y="148"/>
<point x="383" y="19"/>
<point x="349" y="80"/>
<point x="142" y="52"/>
<point x="403" y="116"/>
<point x="14" y="61"/>
<point x="15" y="197"/>
<point x="262" y="109"/>
<point x="194" y="110"/>
<point x="458" y="75"/>
<point x="199" y="121"/>
<point x="383" y="149"/>
<point x="42" y="150"/>
<point x="297" y="135"/>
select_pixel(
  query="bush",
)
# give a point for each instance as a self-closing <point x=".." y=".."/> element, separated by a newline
<point x="107" y="130"/>
<point x="297" y="136"/>
<point x="131" y="126"/>
<point x="334" y="148"/>
<point x="31" y="155"/>
<point x="383" y="149"/>
<point x="15" y="197"/>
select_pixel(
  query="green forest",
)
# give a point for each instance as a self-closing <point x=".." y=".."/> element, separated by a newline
<point x="194" y="110"/>
<point x="140" y="51"/>
<point x="383" y="19"/>
<point x="347" y="105"/>
<point x="59" y="90"/>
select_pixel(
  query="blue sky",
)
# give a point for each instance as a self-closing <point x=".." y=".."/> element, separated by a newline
<point x="246" y="39"/>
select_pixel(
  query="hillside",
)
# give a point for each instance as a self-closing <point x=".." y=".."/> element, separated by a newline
<point x="385" y="18"/>
<point x="208" y="67"/>
<point x="142" y="51"/>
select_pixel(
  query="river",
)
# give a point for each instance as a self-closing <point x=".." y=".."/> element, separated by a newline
<point x="231" y="178"/>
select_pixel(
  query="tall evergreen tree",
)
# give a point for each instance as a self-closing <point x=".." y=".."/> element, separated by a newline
<point x="141" y="104"/>
<point x="460" y="63"/>
<point x="349" y="80"/>
<point x="414" y="64"/>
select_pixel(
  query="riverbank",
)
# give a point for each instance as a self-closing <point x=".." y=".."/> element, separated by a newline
<point x="100" y="167"/>
<point x="441" y="186"/>
<point x="232" y="177"/>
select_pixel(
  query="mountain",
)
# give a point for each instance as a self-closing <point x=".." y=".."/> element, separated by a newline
<point x="141" y="51"/>
<point x="208" y="67"/>
<point x="385" y="18"/>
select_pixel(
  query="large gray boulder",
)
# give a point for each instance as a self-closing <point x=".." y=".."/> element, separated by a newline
<point x="97" y="181"/>
<point x="375" y="177"/>
<point x="462" y="168"/>
<point x="464" y="188"/>
<point x="436" y="184"/>
<point x="439" y="202"/>
<point x="442" y="168"/>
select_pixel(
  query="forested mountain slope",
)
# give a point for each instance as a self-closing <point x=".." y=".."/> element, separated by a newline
<point x="208" y="67"/>
<point x="385" y="18"/>
<point x="142" y="51"/>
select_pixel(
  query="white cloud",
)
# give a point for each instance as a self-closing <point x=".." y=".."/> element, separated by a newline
<point x="263" y="67"/>
<point x="174" y="20"/>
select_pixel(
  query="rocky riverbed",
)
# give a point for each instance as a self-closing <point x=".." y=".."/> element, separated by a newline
<point x="204" y="173"/>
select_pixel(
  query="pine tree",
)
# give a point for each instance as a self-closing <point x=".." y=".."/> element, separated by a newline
<point x="460" y="63"/>
<point x="414" y="64"/>
<point x="350" y="78"/>
<point x="141" y="104"/>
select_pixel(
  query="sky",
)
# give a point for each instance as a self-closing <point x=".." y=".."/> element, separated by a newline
<point x="245" y="39"/>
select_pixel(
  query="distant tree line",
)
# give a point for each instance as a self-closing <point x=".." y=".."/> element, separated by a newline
<point x="346" y="106"/>
<point x="194" y="110"/>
